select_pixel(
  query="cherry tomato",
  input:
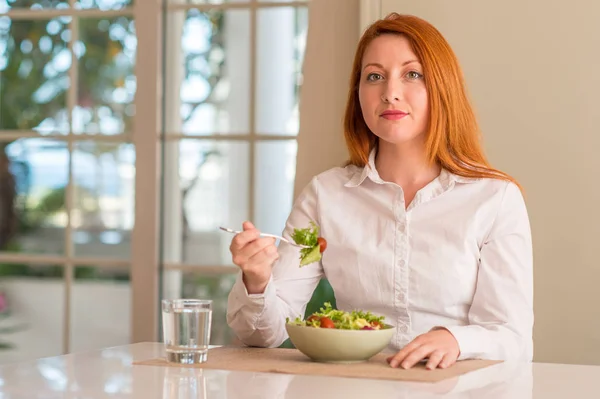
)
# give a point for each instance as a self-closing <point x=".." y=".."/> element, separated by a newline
<point x="322" y="244"/>
<point x="326" y="322"/>
<point x="312" y="318"/>
<point x="376" y="324"/>
<point x="367" y="328"/>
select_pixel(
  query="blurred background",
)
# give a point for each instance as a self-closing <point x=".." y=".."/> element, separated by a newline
<point x="194" y="102"/>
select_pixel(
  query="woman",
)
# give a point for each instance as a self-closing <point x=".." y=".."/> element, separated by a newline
<point x="419" y="227"/>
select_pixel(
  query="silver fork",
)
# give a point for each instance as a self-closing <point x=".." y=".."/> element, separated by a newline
<point x="267" y="235"/>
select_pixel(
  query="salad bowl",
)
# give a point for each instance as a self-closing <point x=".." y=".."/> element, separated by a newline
<point x="335" y="336"/>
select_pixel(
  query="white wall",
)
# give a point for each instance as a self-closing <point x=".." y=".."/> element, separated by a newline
<point x="331" y="41"/>
<point x="532" y="70"/>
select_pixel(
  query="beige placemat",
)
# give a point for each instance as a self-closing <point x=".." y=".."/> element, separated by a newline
<point x="292" y="361"/>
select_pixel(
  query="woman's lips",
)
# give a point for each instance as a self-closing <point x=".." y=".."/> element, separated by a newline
<point x="393" y="115"/>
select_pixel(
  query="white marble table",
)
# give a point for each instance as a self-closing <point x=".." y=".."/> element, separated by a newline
<point x="109" y="373"/>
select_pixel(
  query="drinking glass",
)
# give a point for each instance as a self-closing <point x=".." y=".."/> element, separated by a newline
<point x="186" y="329"/>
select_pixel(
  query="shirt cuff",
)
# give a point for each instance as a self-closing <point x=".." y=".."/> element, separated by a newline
<point x="470" y="340"/>
<point x="254" y="302"/>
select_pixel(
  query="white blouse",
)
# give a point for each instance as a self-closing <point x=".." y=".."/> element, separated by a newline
<point x="459" y="257"/>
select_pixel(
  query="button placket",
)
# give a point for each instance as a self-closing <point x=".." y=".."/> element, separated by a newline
<point x="401" y="271"/>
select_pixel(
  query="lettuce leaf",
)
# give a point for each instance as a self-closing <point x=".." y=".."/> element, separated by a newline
<point x="309" y="237"/>
<point x="354" y="320"/>
<point x="314" y="255"/>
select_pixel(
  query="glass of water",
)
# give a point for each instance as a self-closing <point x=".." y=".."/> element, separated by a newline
<point x="186" y="329"/>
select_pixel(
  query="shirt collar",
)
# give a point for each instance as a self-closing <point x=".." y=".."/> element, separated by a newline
<point x="446" y="178"/>
<point x="369" y="170"/>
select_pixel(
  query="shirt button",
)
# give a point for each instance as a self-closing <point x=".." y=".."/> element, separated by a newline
<point x="401" y="263"/>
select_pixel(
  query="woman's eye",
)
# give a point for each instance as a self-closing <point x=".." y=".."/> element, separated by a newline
<point x="413" y="75"/>
<point x="374" y="77"/>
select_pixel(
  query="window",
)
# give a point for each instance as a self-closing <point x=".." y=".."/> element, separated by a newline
<point x="67" y="89"/>
<point x="107" y="187"/>
<point x="233" y="75"/>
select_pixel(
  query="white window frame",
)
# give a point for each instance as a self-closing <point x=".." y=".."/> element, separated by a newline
<point x="145" y="264"/>
<point x="148" y="324"/>
<point x="69" y="260"/>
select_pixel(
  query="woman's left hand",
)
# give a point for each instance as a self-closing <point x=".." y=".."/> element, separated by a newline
<point x="439" y="346"/>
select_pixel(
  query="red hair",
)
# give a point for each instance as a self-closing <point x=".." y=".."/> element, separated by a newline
<point x="453" y="137"/>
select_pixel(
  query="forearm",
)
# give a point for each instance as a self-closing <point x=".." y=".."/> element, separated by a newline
<point x="259" y="320"/>
<point x="246" y="311"/>
<point x="494" y="342"/>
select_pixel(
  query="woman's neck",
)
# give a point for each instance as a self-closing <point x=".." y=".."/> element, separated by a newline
<point x="405" y="165"/>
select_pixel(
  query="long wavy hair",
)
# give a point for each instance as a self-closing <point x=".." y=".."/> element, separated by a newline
<point x="453" y="136"/>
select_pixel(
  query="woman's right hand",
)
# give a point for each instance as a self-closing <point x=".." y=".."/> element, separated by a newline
<point x="254" y="255"/>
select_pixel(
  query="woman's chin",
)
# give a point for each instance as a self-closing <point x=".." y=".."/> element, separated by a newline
<point x="396" y="139"/>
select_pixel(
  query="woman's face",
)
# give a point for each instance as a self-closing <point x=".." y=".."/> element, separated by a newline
<point x="392" y="91"/>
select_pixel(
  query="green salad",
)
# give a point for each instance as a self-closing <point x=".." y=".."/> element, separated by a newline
<point x="328" y="317"/>
<point x="309" y="237"/>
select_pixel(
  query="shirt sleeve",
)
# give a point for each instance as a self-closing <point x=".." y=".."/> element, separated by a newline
<point x="501" y="314"/>
<point x="259" y="319"/>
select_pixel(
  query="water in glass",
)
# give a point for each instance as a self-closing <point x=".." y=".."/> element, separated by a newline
<point x="186" y="329"/>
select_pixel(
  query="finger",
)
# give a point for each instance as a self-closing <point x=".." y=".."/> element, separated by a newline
<point x="268" y="252"/>
<point x="434" y="359"/>
<point x="401" y="355"/>
<point x="448" y="360"/>
<point x="248" y="226"/>
<point x="395" y="360"/>
<point x="240" y="256"/>
<point x="258" y="245"/>
<point x="265" y="257"/>
<point x="242" y="239"/>
<point x="416" y="356"/>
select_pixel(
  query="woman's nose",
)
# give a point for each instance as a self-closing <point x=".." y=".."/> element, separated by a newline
<point x="387" y="98"/>
<point x="392" y="93"/>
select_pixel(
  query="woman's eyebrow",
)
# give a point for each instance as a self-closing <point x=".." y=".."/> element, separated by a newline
<point x="378" y="65"/>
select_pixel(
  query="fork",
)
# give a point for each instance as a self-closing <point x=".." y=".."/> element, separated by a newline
<point x="267" y="235"/>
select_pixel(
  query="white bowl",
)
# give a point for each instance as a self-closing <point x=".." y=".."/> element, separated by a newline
<point x="332" y="345"/>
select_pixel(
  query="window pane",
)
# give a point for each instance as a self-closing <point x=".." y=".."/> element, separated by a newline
<point x="34" y="64"/>
<point x="103" y="4"/>
<point x="103" y="209"/>
<point x="33" y="178"/>
<point x="206" y="186"/>
<point x="6" y="5"/>
<point x="274" y="182"/>
<point x="100" y="308"/>
<point x="211" y="72"/>
<point x="281" y="35"/>
<point x="31" y="311"/>
<point x="106" y="52"/>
